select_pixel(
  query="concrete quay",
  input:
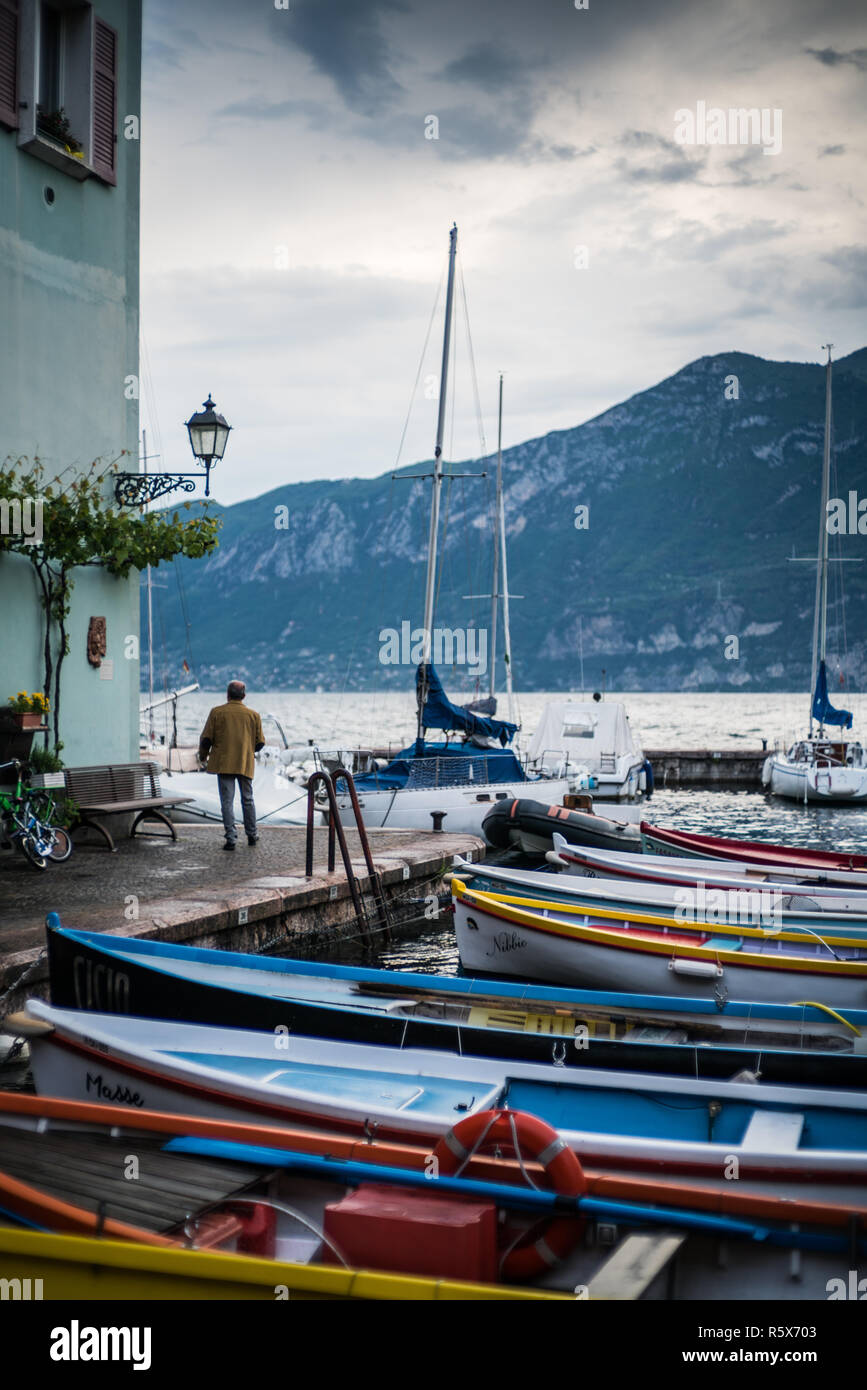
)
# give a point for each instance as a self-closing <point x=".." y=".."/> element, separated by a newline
<point x="192" y="892"/>
<point x="704" y="767"/>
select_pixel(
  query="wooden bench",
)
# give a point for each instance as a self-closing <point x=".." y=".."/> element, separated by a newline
<point x="115" y="788"/>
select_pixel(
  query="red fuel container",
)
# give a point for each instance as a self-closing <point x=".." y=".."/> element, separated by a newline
<point x="410" y="1232"/>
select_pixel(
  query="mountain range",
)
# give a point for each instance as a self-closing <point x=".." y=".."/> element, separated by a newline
<point x="697" y="493"/>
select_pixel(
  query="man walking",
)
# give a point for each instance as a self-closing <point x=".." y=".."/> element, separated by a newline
<point x="230" y="739"/>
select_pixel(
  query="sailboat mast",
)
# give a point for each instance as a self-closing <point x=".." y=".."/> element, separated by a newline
<point x="144" y="439"/>
<point x="430" y="589"/>
<point x="495" y="598"/>
<point x="820" y="616"/>
<point x="501" y="519"/>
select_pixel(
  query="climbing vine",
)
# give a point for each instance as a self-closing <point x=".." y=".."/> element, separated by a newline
<point x="71" y="522"/>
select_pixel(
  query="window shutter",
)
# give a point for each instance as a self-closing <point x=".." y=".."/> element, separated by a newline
<point x="9" y="63"/>
<point x="104" y="153"/>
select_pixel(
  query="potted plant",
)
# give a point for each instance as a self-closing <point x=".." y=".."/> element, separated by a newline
<point x="55" y="124"/>
<point x="28" y="711"/>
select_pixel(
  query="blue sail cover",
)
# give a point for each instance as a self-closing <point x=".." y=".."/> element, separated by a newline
<point x="823" y="710"/>
<point x="440" y="713"/>
<point x="443" y="764"/>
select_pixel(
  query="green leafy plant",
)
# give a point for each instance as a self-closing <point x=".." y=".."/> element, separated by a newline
<point x="81" y="526"/>
<point x="55" y="124"/>
<point x="44" y="760"/>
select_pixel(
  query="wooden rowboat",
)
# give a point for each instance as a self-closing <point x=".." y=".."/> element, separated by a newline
<point x="626" y="1119"/>
<point x="656" y="840"/>
<point x="695" y="1037"/>
<point x="499" y="934"/>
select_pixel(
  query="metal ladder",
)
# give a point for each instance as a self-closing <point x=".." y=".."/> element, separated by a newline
<point x="335" y="829"/>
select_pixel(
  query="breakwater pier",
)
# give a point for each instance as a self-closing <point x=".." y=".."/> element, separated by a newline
<point x="703" y="767"/>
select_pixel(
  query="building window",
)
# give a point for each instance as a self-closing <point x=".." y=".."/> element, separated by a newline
<point x="9" y="63"/>
<point x="50" y="36"/>
<point x="67" y="72"/>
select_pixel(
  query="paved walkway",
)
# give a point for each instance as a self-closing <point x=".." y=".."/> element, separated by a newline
<point x="191" y="888"/>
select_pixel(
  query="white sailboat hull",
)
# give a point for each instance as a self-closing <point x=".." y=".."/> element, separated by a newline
<point x="278" y="800"/>
<point x="806" y="782"/>
<point x="464" y="807"/>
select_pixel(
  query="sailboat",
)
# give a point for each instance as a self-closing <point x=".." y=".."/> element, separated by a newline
<point x="821" y="767"/>
<point x="452" y="785"/>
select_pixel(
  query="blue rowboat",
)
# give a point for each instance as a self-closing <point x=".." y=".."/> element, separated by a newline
<point x="693" y="1036"/>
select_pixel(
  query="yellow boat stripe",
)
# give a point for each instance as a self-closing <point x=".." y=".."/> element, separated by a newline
<point x="502" y="909"/>
<point x="537" y="906"/>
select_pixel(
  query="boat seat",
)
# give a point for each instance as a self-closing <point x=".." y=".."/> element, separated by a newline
<point x="773" y="1130"/>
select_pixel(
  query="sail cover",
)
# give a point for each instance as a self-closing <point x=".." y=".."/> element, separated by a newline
<point x="440" y="713"/>
<point x="823" y="710"/>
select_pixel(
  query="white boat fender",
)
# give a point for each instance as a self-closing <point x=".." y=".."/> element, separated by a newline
<point x="703" y="969"/>
<point x="746" y="1076"/>
<point x="554" y="858"/>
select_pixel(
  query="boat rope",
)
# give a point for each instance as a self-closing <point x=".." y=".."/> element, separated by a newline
<point x="23" y="977"/>
<point x="812" y="1004"/>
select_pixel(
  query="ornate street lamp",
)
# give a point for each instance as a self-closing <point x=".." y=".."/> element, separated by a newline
<point x="209" y="434"/>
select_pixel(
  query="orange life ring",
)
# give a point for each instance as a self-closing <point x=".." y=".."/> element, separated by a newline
<point x="536" y="1140"/>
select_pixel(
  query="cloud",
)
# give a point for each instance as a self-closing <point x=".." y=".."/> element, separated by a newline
<point x="490" y="69"/>
<point x="851" y="262"/>
<point x="316" y="114"/>
<point x="832" y="57"/>
<point x="652" y="159"/>
<point x="344" y="39"/>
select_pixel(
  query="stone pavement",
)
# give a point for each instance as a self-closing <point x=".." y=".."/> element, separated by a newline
<point x="192" y="890"/>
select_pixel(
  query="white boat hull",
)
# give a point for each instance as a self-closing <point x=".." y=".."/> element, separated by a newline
<point x="463" y="808"/>
<point x="278" y="800"/>
<point x="490" y="945"/>
<point x="806" y="782"/>
<point x="183" y="1068"/>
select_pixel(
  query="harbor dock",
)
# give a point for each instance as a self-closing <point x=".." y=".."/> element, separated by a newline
<point x="703" y="767"/>
<point x="190" y="891"/>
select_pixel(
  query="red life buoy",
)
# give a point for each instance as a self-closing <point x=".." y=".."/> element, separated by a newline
<point x="530" y="1138"/>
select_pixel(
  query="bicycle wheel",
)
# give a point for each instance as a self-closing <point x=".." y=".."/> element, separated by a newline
<point x="62" y="845"/>
<point x="30" y="850"/>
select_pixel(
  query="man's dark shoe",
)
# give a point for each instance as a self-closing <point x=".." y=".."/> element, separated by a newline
<point x="252" y="839"/>
<point x="230" y="844"/>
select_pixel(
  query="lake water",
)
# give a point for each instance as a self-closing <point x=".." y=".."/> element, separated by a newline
<point x="678" y="719"/>
<point x="667" y="721"/>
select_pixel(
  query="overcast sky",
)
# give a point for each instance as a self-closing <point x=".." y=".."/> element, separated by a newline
<point x="295" y="216"/>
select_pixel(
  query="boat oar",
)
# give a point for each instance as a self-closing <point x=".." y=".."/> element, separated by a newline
<point x="505" y="1195"/>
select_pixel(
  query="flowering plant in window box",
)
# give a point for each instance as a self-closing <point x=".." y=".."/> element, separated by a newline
<point x="55" y="124"/>
<point x="29" y="710"/>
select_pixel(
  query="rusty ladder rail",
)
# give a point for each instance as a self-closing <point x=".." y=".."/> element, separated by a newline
<point x="335" y="829"/>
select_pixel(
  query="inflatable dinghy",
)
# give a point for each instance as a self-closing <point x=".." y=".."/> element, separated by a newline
<point x="519" y="823"/>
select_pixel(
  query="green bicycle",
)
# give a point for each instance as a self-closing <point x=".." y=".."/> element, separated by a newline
<point x="25" y="821"/>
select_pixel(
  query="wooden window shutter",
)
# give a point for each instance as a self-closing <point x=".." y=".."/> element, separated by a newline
<point x="103" y="158"/>
<point x="9" y="63"/>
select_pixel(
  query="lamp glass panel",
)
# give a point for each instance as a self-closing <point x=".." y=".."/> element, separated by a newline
<point x="203" y="440"/>
<point x="221" y="436"/>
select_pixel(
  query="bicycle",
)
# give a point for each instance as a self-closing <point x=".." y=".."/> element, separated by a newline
<point x="29" y="810"/>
